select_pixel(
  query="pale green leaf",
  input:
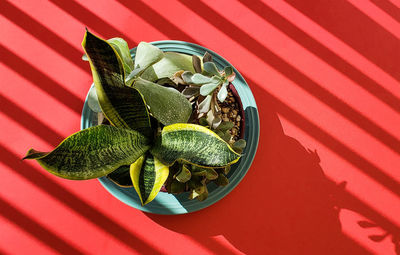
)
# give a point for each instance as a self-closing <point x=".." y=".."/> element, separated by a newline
<point x="200" y="79"/>
<point x="167" y="105"/>
<point x="168" y="66"/>
<point x="121" y="46"/>
<point x="222" y="94"/>
<point x="121" y="177"/>
<point x="146" y="55"/>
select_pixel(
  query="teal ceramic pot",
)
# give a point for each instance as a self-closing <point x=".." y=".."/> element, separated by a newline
<point x="166" y="203"/>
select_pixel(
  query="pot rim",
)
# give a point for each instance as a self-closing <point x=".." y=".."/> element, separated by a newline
<point x="166" y="203"/>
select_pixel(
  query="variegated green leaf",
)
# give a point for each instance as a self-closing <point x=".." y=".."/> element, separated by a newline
<point x="194" y="144"/>
<point x="168" y="66"/>
<point x="148" y="175"/>
<point x="121" y="176"/>
<point x="167" y="105"/>
<point x="146" y="55"/>
<point x="123" y="106"/>
<point x="92" y="152"/>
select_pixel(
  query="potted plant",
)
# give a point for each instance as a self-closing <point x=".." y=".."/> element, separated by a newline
<point x="170" y="122"/>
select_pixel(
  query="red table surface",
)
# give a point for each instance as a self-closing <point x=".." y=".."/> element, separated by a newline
<point x="326" y="79"/>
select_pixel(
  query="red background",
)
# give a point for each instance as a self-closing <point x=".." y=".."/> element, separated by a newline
<point x="325" y="75"/>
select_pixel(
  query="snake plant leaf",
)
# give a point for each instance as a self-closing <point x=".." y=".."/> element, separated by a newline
<point x="148" y="175"/>
<point x="92" y="152"/>
<point x="123" y="106"/>
<point x="168" y="66"/>
<point x="121" y="46"/>
<point x="121" y="176"/>
<point x="167" y="105"/>
<point x="211" y="68"/>
<point x="194" y="144"/>
<point x="146" y="55"/>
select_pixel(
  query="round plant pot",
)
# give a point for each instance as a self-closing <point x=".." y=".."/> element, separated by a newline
<point x="166" y="203"/>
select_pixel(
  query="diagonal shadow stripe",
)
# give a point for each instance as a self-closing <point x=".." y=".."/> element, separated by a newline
<point x="29" y="122"/>
<point x="157" y="21"/>
<point x="292" y="73"/>
<point x="355" y="29"/>
<point x="271" y="16"/>
<point x="41" y="80"/>
<point x="75" y="203"/>
<point x="90" y="19"/>
<point x="389" y="8"/>
<point x="329" y="141"/>
<point x="47" y="37"/>
<point x="36" y="230"/>
<point x="296" y="118"/>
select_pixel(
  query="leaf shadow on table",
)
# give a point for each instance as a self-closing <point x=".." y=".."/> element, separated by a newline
<point x="283" y="205"/>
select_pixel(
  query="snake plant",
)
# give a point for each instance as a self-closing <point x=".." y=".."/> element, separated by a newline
<point x="148" y="132"/>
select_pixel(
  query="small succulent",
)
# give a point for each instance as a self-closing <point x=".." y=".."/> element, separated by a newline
<point x="147" y="143"/>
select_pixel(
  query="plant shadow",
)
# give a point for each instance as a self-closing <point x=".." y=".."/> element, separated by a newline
<point x="283" y="206"/>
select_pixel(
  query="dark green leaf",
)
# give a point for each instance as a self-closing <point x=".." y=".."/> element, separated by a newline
<point x="239" y="145"/>
<point x="177" y="187"/>
<point x="221" y="180"/>
<point x="92" y="152"/>
<point x="121" y="177"/>
<point x="225" y="126"/>
<point x="123" y="106"/>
